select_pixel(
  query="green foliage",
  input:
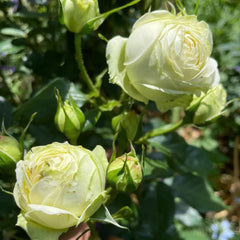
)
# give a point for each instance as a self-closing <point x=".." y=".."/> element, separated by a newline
<point x="157" y="212"/>
<point x="180" y="173"/>
<point x="197" y="192"/>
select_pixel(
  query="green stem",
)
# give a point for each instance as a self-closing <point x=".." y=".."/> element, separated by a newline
<point x="160" y="131"/>
<point x="196" y="7"/>
<point x="81" y="66"/>
<point x="175" y="115"/>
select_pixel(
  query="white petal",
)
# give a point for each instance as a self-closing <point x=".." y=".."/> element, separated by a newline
<point x="51" y="217"/>
<point x="115" y="54"/>
<point x="208" y="76"/>
<point x="38" y="232"/>
<point x="158" y="15"/>
<point x="141" y="40"/>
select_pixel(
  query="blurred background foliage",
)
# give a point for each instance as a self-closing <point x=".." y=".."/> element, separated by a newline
<point x="191" y="177"/>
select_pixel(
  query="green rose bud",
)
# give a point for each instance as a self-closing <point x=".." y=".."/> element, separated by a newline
<point x="9" y="152"/>
<point x="69" y="119"/>
<point x="77" y="13"/>
<point x="129" y="122"/>
<point x="58" y="186"/>
<point x="125" y="173"/>
<point x="166" y="59"/>
<point x="210" y="105"/>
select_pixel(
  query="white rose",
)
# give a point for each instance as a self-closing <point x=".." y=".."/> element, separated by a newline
<point x="59" y="186"/>
<point x="166" y="59"/>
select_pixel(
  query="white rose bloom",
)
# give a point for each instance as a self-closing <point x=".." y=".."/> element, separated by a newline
<point x="59" y="186"/>
<point x="166" y="59"/>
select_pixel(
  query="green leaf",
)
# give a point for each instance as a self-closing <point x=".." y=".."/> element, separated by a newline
<point x="155" y="168"/>
<point x="197" y="192"/>
<point x="78" y="96"/>
<point x="186" y="158"/>
<point x="156" y="212"/>
<point x="103" y="215"/>
<point x="189" y="216"/>
<point x="123" y="214"/>
<point x="13" y="32"/>
<point x="156" y="142"/>
<point x="194" y="234"/>
<point x="5" y="111"/>
<point x="31" y="15"/>
<point x="91" y="116"/>
<point x="6" y="47"/>
<point x="43" y="102"/>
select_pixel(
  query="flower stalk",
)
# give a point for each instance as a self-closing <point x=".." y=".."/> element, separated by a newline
<point x="81" y="65"/>
<point x="161" y="130"/>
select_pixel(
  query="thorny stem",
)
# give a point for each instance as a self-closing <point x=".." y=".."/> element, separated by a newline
<point x="81" y="66"/>
<point x="161" y="130"/>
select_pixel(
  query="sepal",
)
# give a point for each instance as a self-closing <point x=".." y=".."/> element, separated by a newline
<point x="103" y="215"/>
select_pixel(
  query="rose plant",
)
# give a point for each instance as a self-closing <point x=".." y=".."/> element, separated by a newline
<point x="69" y="118"/>
<point x="76" y="13"/>
<point x="59" y="186"/>
<point x="65" y="191"/>
<point x="10" y="152"/>
<point x="208" y="106"/>
<point x="125" y="173"/>
<point x="166" y="59"/>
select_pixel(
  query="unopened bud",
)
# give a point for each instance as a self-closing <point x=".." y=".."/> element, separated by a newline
<point x="125" y="173"/>
<point x="75" y="14"/>
<point x="69" y="119"/>
<point x="9" y="152"/>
